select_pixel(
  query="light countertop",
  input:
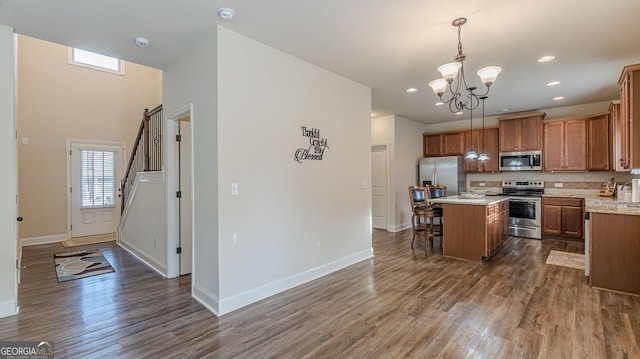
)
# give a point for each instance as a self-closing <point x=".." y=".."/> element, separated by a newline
<point x="485" y="201"/>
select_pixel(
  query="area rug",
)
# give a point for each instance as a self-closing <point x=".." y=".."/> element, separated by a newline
<point x="566" y="259"/>
<point x="80" y="264"/>
<point x="81" y="241"/>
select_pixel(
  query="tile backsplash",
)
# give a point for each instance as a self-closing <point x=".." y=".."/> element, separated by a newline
<point x="569" y="182"/>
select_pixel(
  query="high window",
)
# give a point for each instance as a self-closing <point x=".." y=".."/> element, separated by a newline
<point x="98" y="178"/>
<point x="95" y="61"/>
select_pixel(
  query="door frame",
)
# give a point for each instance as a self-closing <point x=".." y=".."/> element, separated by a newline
<point x="389" y="192"/>
<point x="171" y="174"/>
<point x="70" y="142"/>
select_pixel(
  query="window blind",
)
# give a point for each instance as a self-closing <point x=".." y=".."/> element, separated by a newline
<point x="98" y="178"/>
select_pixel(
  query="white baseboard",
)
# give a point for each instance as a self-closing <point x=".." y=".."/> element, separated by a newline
<point x="206" y="298"/>
<point x="237" y="301"/>
<point x="32" y="241"/>
<point x="8" y="308"/>
<point x="148" y="260"/>
<point x="400" y="227"/>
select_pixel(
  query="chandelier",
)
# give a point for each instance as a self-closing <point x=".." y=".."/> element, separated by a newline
<point x="455" y="70"/>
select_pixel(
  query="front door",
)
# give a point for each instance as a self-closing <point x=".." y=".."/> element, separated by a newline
<point x="95" y="173"/>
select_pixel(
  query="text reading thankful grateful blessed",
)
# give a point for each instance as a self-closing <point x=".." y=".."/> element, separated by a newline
<point x="316" y="148"/>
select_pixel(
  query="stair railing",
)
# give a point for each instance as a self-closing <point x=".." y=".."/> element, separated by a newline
<point x="147" y="151"/>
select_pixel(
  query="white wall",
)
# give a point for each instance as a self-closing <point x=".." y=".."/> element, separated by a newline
<point x="142" y="229"/>
<point x="9" y="178"/>
<point x="285" y="209"/>
<point x="404" y="139"/>
<point x="192" y="79"/>
<point x="408" y="151"/>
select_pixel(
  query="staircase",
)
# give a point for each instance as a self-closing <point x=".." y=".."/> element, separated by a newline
<point x="147" y="151"/>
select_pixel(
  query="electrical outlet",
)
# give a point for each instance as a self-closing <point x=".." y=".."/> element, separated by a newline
<point x="365" y="184"/>
<point x="317" y="247"/>
<point x="156" y="242"/>
<point x="558" y="185"/>
<point x="235" y="238"/>
<point x="482" y="184"/>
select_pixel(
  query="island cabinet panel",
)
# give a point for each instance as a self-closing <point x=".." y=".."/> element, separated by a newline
<point x="474" y="232"/>
<point x="522" y="132"/>
<point x="615" y="252"/>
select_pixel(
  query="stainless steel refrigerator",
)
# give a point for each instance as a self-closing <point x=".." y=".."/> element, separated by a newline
<point x="443" y="171"/>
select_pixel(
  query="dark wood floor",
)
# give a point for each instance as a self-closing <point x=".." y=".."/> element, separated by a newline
<point x="402" y="303"/>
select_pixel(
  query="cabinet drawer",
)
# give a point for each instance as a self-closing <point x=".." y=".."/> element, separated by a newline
<point x="558" y="201"/>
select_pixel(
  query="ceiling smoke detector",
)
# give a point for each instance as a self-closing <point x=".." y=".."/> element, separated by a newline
<point x="226" y="13"/>
<point x="141" y="42"/>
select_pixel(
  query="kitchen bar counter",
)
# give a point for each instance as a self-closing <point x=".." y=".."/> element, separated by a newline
<point x="473" y="229"/>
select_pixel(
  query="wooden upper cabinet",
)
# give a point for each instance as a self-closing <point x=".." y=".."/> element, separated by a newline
<point x="565" y="145"/>
<point x="443" y="144"/>
<point x="599" y="149"/>
<point x="522" y="132"/>
<point x="628" y="125"/>
<point x="490" y="147"/>
<point x="453" y="144"/>
<point x="432" y="145"/>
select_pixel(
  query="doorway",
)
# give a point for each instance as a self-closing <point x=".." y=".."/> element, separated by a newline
<point x="379" y="184"/>
<point x="94" y="173"/>
<point x="184" y="187"/>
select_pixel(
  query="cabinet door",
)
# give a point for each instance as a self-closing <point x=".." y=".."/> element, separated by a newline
<point x="623" y="124"/>
<point x="551" y="219"/>
<point x="599" y="147"/>
<point x="472" y="140"/>
<point x="509" y="135"/>
<point x="432" y="145"/>
<point x="575" y="145"/>
<point x="531" y="134"/>
<point x="572" y="221"/>
<point x="491" y="148"/>
<point x="453" y="144"/>
<point x="553" y="146"/>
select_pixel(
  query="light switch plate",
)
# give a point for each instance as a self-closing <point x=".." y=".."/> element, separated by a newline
<point x="558" y="185"/>
<point x="365" y="184"/>
<point x="234" y="189"/>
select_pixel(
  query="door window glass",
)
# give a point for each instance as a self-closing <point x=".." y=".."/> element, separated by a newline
<point x="98" y="178"/>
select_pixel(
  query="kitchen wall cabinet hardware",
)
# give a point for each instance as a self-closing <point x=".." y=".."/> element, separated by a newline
<point x="563" y="216"/>
<point x="614" y="252"/>
<point x="565" y="145"/>
<point x="599" y="142"/>
<point x="521" y="132"/>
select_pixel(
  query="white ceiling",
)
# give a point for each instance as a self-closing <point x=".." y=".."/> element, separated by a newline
<point x="386" y="45"/>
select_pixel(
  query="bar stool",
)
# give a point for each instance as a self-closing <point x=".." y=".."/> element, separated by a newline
<point x="424" y="212"/>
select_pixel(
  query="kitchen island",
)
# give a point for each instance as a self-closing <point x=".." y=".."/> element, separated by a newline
<point x="473" y="229"/>
<point x="614" y="245"/>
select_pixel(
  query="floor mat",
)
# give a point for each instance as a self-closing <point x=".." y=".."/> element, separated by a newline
<point x="80" y="264"/>
<point x="566" y="259"/>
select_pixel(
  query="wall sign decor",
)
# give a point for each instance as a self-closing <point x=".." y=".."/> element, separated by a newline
<point x="316" y="148"/>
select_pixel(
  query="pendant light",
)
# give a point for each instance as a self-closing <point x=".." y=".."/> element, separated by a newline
<point x="471" y="155"/>
<point x="483" y="155"/>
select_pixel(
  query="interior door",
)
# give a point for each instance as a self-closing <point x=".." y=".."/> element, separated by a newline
<point x="184" y="186"/>
<point x="379" y="187"/>
<point x="95" y="173"/>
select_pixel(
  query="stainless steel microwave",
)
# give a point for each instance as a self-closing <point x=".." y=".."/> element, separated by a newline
<point x="521" y="161"/>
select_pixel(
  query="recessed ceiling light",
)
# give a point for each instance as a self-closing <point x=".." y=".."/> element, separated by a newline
<point x="558" y="98"/>
<point x="553" y="83"/>
<point x="459" y="113"/>
<point x="546" y="58"/>
<point x="439" y="103"/>
<point x="226" y="13"/>
<point x="412" y="89"/>
<point x="141" y="42"/>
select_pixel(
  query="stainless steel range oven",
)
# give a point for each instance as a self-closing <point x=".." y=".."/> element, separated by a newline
<point x="525" y="207"/>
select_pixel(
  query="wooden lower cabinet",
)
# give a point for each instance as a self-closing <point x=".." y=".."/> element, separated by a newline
<point x="474" y="232"/>
<point x="563" y="216"/>
<point x="615" y="252"/>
